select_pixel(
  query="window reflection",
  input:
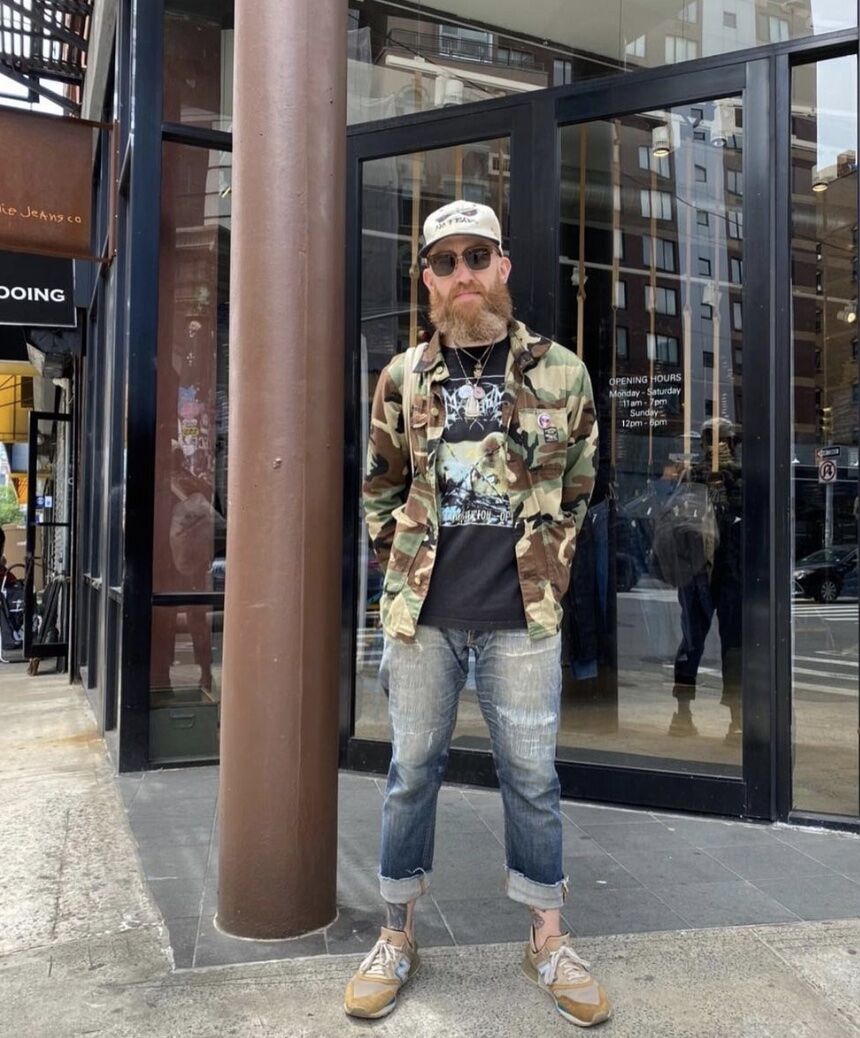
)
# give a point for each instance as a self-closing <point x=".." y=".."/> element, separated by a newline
<point x="408" y="59"/>
<point x="198" y="63"/>
<point x="189" y="514"/>
<point x="825" y="450"/>
<point x="653" y="624"/>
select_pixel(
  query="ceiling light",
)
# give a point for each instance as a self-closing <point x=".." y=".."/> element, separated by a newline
<point x="661" y="141"/>
<point x="848" y="313"/>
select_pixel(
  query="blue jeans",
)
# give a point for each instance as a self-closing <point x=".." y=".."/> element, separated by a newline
<point x="519" y="689"/>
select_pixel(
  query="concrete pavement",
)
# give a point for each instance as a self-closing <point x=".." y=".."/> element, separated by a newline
<point x="83" y="950"/>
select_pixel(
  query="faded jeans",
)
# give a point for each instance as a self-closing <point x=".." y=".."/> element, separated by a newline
<point x="519" y="689"/>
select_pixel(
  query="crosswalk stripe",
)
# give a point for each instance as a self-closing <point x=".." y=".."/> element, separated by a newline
<point x="826" y="674"/>
<point x="804" y="687"/>
<point x="831" y="661"/>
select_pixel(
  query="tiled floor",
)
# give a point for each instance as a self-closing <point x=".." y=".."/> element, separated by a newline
<point x="630" y="871"/>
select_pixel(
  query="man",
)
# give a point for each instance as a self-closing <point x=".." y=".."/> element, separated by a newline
<point x="715" y="588"/>
<point x="480" y="467"/>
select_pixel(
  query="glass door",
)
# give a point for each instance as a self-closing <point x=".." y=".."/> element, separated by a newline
<point x="651" y="291"/>
<point x="650" y="294"/>
<point x="48" y="558"/>
<point x="403" y="178"/>
<point x="626" y="216"/>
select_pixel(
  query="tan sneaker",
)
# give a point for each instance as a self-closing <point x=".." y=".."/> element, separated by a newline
<point x="559" y="971"/>
<point x="372" y="992"/>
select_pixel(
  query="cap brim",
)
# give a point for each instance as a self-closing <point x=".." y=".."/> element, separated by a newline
<point x="422" y="252"/>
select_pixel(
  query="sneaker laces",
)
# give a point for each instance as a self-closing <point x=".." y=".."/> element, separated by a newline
<point x="381" y="960"/>
<point x="567" y="966"/>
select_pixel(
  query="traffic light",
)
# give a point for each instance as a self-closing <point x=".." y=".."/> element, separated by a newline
<point x="826" y="422"/>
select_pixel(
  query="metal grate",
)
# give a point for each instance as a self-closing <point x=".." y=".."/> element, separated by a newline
<point x="46" y="40"/>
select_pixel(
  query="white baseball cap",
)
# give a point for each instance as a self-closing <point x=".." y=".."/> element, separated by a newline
<point x="461" y="217"/>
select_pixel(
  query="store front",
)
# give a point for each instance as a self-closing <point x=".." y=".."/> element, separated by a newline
<point x="647" y="218"/>
<point x="678" y="192"/>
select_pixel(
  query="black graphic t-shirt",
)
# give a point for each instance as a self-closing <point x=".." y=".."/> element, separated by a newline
<point x="475" y="584"/>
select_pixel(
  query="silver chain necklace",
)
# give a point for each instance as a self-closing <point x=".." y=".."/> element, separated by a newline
<point x="472" y="393"/>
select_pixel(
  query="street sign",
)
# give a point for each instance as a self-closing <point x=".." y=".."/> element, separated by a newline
<point x="828" y="452"/>
<point x="827" y="471"/>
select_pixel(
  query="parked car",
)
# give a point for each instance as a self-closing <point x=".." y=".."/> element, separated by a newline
<point x="826" y="573"/>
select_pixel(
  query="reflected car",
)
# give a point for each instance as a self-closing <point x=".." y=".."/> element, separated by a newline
<point x="827" y="573"/>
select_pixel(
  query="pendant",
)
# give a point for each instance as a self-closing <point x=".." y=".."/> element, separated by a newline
<point x="464" y="392"/>
<point x="473" y="408"/>
<point x="479" y="368"/>
<point x="478" y="392"/>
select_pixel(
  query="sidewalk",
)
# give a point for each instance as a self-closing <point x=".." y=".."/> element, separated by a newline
<point x="83" y="949"/>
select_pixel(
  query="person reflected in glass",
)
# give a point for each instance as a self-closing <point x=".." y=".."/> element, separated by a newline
<point x="715" y="588"/>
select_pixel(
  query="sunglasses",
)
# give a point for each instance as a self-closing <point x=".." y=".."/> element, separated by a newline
<point x="477" y="257"/>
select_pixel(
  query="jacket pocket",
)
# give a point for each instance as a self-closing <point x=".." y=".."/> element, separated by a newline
<point x="543" y="432"/>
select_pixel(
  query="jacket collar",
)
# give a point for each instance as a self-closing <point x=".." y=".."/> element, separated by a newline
<point x="527" y="347"/>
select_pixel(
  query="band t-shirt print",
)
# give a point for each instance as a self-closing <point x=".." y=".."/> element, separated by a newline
<point x="475" y="584"/>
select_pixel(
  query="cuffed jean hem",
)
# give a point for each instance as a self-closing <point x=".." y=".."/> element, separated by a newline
<point x="536" y="895"/>
<point x="401" y="891"/>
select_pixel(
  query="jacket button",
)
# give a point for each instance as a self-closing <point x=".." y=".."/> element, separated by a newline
<point x="434" y="411"/>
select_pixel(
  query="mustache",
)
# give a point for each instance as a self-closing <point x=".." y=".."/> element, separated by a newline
<point x="467" y="289"/>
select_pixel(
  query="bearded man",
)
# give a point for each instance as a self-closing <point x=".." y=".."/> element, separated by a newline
<point x="480" y="468"/>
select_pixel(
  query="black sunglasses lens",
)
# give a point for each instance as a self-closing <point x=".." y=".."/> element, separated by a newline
<point x="443" y="264"/>
<point x="477" y="258"/>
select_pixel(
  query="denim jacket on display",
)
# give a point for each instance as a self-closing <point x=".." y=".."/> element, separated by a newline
<point x="545" y="460"/>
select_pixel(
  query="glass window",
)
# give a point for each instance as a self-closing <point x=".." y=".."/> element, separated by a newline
<point x="662" y="300"/>
<point x="662" y="250"/>
<point x="734" y="181"/>
<point x="658" y="203"/>
<point x="704" y="266"/>
<point x="636" y="48"/>
<point x="658" y="682"/>
<point x="736" y="270"/>
<point x="562" y="72"/>
<point x="735" y="221"/>
<point x="825" y="487"/>
<point x="701" y="174"/>
<point x="658" y="163"/>
<point x="409" y="58"/>
<point x="185" y="680"/>
<point x="702" y="218"/>
<point x="663" y="348"/>
<point x="198" y="63"/>
<point x="620" y="295"/>
<point x="737" y="316"/>
<point x="679" y="48"/>
<point x="622" y="346"/>
<point x="191" y="405"/>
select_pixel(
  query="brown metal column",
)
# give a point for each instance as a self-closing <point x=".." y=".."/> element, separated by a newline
<point x="278" y="793"/>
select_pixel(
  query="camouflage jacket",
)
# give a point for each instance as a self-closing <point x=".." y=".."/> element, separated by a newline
<point x="545" y="460"/>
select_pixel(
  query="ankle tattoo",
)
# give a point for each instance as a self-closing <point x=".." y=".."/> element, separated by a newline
<point x="538" y="919"/>
<point x="397" y="916"/>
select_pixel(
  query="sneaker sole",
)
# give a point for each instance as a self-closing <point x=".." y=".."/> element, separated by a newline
<point x="360" y="1014"/>
<point x="531" y="974"/>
